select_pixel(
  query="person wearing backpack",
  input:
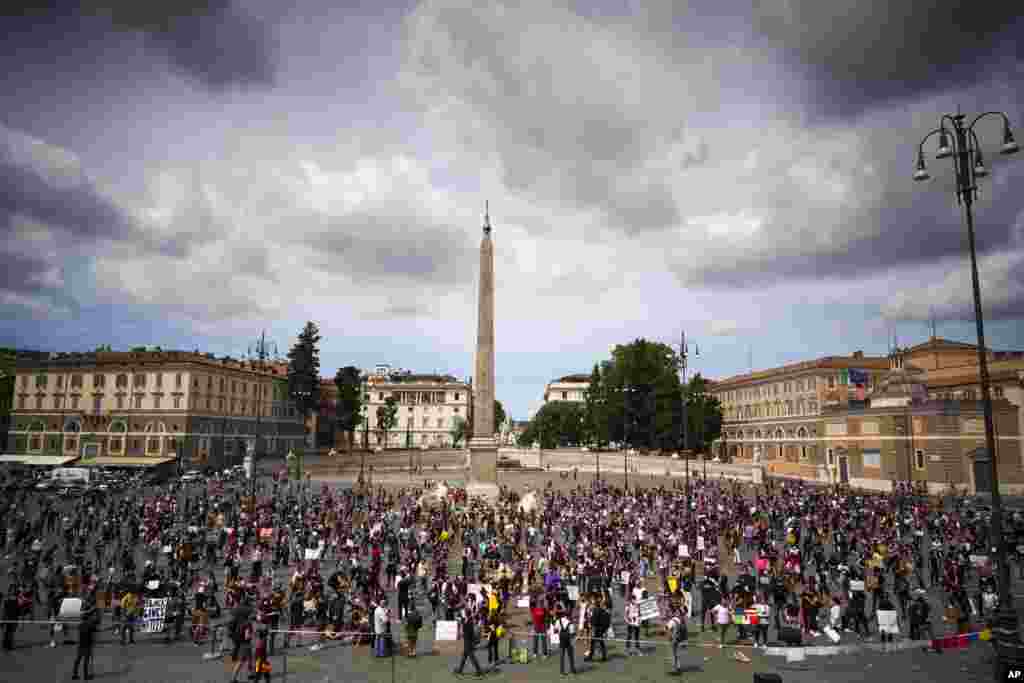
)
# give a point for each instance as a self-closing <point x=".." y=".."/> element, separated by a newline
<point x="678" y="635"/>
<point x="566" y="638"/>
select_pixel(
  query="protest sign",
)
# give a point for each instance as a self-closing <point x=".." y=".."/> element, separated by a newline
<point x="446" y="630"/>
<point x="648" y="609"/>
<point x="154" y="612"/>
<point x="574" y="592"/>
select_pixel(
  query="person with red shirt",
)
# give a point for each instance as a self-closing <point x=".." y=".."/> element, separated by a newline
<point x="540" y="627"/>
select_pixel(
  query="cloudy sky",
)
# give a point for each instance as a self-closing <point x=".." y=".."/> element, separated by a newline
<point x="739" y="169"/>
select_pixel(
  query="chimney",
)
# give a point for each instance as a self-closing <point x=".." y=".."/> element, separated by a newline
<point x="858" y="354"/>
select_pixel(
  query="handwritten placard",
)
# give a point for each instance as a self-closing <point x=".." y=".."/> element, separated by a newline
<point x="154" y="612"/>
<point x="648" y="609"/>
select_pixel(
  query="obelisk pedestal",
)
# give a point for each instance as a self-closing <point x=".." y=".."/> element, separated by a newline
<point x="483" y="447"/>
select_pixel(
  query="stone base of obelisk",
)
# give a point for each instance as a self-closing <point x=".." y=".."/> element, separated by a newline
<point x="483" y="468"/>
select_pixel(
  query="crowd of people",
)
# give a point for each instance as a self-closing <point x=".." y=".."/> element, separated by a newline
<point x="276" y="561"/>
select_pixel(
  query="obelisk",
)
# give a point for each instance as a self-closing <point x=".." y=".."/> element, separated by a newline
<point x="483" y="447"/>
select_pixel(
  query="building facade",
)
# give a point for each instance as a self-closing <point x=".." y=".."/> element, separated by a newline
<point x="147" y="407"/>
<point x="775" y="414"/>
<point x="569" y="389"/>
<point x="920" y="419"/>
<point x="428" y="408"/>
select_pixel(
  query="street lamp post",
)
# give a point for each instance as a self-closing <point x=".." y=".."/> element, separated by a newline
<point x="968" y="166"/>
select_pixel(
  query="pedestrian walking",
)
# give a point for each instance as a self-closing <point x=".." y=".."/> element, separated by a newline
<point x="470" y="638"/>
<point x="86" y="642"/>
<point x="678" y="637"/>
<point x="566" y="643"/>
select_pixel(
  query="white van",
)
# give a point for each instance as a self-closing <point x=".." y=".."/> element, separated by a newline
<point x="70" y="476"/>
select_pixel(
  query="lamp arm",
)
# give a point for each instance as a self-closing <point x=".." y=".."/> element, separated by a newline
<point x="920" y="145"/>
<point x="1006" y="120"/>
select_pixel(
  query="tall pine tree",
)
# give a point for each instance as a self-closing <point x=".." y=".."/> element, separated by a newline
<point x="304" y="371"/>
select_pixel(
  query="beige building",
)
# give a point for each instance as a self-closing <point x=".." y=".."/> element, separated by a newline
<point x="428" y="408"/>
<point x="150" y="407"/>
<point x="920" y="419"/>
<point x="775" y="413"/>
<point x="571" y="389"/>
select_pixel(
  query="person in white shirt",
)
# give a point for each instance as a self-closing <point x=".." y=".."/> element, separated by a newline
<point x="633" y="626"/>
<point x="764" y="617"/>
<point x="723" y="617"/>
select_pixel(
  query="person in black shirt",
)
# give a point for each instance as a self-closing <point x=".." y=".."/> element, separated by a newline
<point x="470" y="637"/>
<point x="86" y="641"/>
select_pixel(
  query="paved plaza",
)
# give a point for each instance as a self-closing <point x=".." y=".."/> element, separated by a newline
<point x="151" y="659"/>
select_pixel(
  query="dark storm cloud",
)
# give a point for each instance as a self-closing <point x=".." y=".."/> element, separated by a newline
<point x="379" y="246"/>
<point x="858" y="53"/>
<point x="22" y="272"/>
<point x="214" y="41"/>
<point x="78" y="207"/>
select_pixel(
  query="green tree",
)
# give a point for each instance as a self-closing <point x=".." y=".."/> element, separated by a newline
<point x="499" y="414"/>
<point x="640" y="386"/>
<point x="704" y="413"/>
<point x="459" y="430"/>
<point x="595" y="410"/>
<point x="304" y="370"/>
<point x="556" y="424"/>
<point x="349" y="408"/>
<point x="102" y="348"/>
<point x="387" y="417"/>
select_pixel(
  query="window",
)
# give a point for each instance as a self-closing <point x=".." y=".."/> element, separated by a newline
<point x="122" y="381"/>
<point x="115" y="445"/>
<point x="177" y="402"/>
<point x="919" y="459"/>
<point x="222" y="404"/>
<point x="872" y="458"/>
<point x="456" y="396"/>
<point x="138" y="402"/>
<point x="140" y="380"/>
<point x="70" y="443"/>
<point x="153" y="445"/>
<point x="209" y="383"/>
<point x="208" y="403"/>
<point x="74" y="403"/>
<point x="222" y="385"/>
<point x="177" y="381"/>
<point x="98" y="381"/>
<point x="380" y="396"/>
<point x="76" y="381"/>
<point x="21" y="403"/>
<point x="120" y="402"/>
<point x="41" y="381"/>
<point x="440" y="422"/>
<point x="159" y="379"/>
<point x="234" y="387"/>
<point x="829" y="457"/>
<point x="156" y="402"/>
<point x="58" y="402"/>
<point x="60" y="381"/>
<point x="831" y="382"/>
